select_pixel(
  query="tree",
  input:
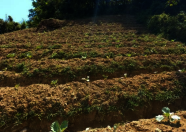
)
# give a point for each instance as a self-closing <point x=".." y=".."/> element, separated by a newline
<point x="10" y="19"/>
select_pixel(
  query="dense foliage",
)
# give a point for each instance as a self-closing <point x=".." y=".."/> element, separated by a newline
<point x="172" y="27"/>
<point x="9" y="25"/>
<point x="162" y="17"/>
<point x="143" y="9"/>
<point x="71" y="9"/>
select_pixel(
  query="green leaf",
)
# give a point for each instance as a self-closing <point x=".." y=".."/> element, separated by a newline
<point x="64" y="125"/>
<point x="159" y="118"/>
<point x="175" y="117"/>
<point x="165" y="110"/>
<point x="55" y="127"/>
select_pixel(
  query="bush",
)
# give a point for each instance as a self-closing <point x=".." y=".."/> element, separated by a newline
<point x="172" y="27"/>
<point x="10" y="26"/>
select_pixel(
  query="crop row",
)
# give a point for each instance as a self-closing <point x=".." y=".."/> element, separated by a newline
<point x="72" y="99"/>
<point x="88" y="53"/>
<point x="97" y="68"/>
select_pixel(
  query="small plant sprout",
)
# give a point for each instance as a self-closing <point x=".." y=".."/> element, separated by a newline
<point x="29" y="55"/>
<point x="167" y="114"/>
<point x="11" y="55"/>
<point x="105" y="77"/>
<point x="54" y="82"/>
<point x="55" y="127"/>
<point x="128" y="55"/>
<point x="125" y="75"/>
<point x="155" y="72"/>
<point x="16" y="86"/>
<point x="87" y="129"/>
<point x="115" y="127"/>
<point x="109" y="127"/>
<point x="86" y="79"/>
<point x="83" y="57"/>
<point x="181" y="71"/>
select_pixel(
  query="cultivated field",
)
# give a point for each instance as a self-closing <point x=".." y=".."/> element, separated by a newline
<point x="129" y="75"/>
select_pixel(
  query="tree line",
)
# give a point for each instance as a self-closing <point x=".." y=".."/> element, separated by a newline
<point x="72" y="9"/>
<point x="9" y="25"/>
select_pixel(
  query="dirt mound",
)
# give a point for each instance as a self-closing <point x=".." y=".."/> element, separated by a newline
<point x="130" y="76"/>
<point x="148" y="125"/>
<point x="50" y="25"/>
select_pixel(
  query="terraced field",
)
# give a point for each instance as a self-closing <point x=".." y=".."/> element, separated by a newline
<point x="128" y="74"/>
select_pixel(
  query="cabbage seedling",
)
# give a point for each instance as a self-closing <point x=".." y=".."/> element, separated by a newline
<point x="125" y="75"/>
<point x="54" y="82"/>
<point x="181" y="71"/>
<point x="86" y="79"/>
<point x="168" y="114"/>
<point x="84" y="57"/>
<point x="55" y="127"/>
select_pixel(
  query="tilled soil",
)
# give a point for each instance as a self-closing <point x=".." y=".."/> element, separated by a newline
<point x="148" y="125"/>
<point x="131" y="76"/>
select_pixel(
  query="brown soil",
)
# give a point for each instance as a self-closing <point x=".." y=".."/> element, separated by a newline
<point x="31" y="60"/>
<point x="148" y="125"/>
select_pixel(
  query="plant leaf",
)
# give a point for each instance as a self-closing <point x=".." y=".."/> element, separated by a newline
<point x="55" y="127"/>
<point x="159" y="118"/>
<point x="175" y="117"/>
<point x="165" y="110"/>
<point x="64" y="125"/>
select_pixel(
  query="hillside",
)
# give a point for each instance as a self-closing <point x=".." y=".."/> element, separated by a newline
<point x="129" y="75"/>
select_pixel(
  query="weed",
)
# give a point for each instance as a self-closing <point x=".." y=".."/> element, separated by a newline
<point x="105" y="77"/>
<point x="54" y="82"/>
<point x="39" y="47"/>
<point x="17" y="86"/>
<point x="54" y="55"/>
<point x="11" y="55"/>
<point x="19" y="67"/>
<point x="128" y="55"/>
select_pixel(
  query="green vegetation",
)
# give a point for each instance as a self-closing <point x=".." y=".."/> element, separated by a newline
<point x="55" y="127"/>
<point x="169" y="115"/>
<point x="127" y="69"/>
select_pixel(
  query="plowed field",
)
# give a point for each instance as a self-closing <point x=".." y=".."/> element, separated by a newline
<point x="129" y="74"/>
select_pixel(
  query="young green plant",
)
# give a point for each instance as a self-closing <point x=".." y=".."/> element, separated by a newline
<point x="125" y="75"/>
<point x="86" y="79"/>
<point x="54" y="82"/>
<point x="167" y="114"/>
<point x="55" y="127"/>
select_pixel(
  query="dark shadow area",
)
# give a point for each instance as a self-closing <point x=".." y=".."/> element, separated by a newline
<point x="127" y="21"/>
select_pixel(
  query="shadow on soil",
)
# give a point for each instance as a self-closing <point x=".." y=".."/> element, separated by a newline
<point x="127" y="21"/>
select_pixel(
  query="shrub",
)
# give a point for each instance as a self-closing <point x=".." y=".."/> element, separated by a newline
<point x="171" y="27"/>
